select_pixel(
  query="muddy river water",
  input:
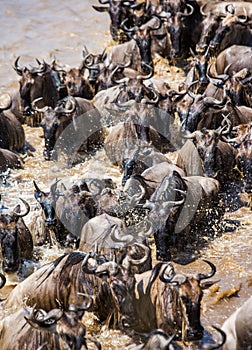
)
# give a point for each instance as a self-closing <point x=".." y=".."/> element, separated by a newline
<point x="44" y="29"/>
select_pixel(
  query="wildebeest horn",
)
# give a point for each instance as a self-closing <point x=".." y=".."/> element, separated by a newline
<point x="158" y="25"/>
<point x="70" y="105"/>
<point x="124" y="105"/>
<point x="88" y="303"/>
<point x="229" y="8"/>
<point x="153" y="277"/>
<point x="17" y="68"/>
<point x="186" y="14"/>
<point x="226" y="125"/>
<point x="3" y="280"/>
<point x="42" y="346"/>
<point x="104" y="2"/>
<point x="36" y="186"/>
<point x="109" y="268"/>
<point x="129" y="30"/>
<point x="151" y="101"/>
<point x="137" y="5"/>
<point x="165" y="344"/>
<point x="53" y="187"/>
<point x="221" y="79"/>
<point x="202" y="276"/>
<point x="202" y="8"/>
<point x="87" y="64"/>
<point x="39" y="318"/>
<point x="243" y="19"/>
<point x="167" y="273"/>
<point x="192" y="135"/>
<point x="35" y="108"/>
<point x="69" y="108"/>
<point x="211" y="101"/>
<point x="86" y="260"/>
<point x="190" y="93"/>
<point x="123" y="80"/>
<point x="26" y="211"/>
<point x="148" y="76"/>
<point x="126" y="239"/>
<point x="42" y="68"/>
<point x="141" y="261"/>
<point x="219" y="345"/>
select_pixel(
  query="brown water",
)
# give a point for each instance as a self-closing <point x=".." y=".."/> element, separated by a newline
<point x="44" y="29"/>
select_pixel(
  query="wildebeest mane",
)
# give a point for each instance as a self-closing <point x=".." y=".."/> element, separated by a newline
<point x="73" y="259"/>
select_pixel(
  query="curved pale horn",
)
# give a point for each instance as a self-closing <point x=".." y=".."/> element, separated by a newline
<point x="27" y="207"/>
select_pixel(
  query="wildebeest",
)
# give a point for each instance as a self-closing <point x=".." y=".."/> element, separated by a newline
<point x="109" y="236"/>
<point x="145" y="37"/>
<point x="37" y="82"/>
<point x="65" y="212"/>
<point x="238" y="328"/>
<point x="177" y="207"/>
<point x="9" y="160"/>
<point x="159" y="298"/>
<point x="217" y="156"/>
<point x="132" y="132"/>
<point x="118" y="11"/>
<point x="236" y="57"/>
<point x="137" y="159"/>
<point x="183" y="19"/>
<point x="53" y="226"/>
<point x="12" y="135"/>
<point x="78" y="121"/>
<point x="242" y="141"/>
<point x="213" y="14"/>
<point x="59" y="282"/>
<point x="233" y="30"/>
<point x="38" y="329"/>
<point x="76" y="84"/>
<point x="16" y="239"/>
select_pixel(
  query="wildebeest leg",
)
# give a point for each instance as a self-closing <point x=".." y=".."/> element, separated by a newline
<point x="162" y="241"/>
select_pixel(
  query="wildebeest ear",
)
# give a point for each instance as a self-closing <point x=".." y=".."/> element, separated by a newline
<point x="100" y="8"/>
<point x="208" y="284"/>
<point x="177" y="174"/>
<point x="17" y="209"/>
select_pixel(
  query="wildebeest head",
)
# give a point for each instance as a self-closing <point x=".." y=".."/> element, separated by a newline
<point x="165" y="205"/>
<point x="209" y="26"/>
<point x="63" y="328"/>
<point x="36" y="83"/>
<point x="122" y="285"/>
<point x="50" y="124"/>
<point x="76" y="84"/>
<point x="179" y="298"/>
<point x="53" y="123"/>
<point x="179" y="14"/>
<point x="244" y="164"/>
<point x="118" y="11"/>
<point x="9" y="235"/>
<point x="79" y="207"/>
<point x="143" y="37"/>
<point x="199" y="65"/>
<point x="229" y="32"/>
<point x="48" y="200"/>
<point x="135" y="90"/>
<point x="206" y="142"/>
<point x="198" y="107"/>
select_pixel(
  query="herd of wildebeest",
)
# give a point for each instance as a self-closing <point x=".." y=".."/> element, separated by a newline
<point x="115" y="101"/>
